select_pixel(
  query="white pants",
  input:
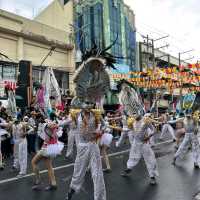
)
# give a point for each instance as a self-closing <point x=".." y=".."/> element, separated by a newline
<point x="72" y="138"/>
<point x="167" y="128"/>
<point x="123" y="136"/>
<point x="152" y="139"/>
<point x="23" y="156"/>
<point x="138" y="150"/>
<point x="88" y="154"/>
<point x="190" y="138"/>
<point x="1" y="159"/>
<point x="16" y="154"/>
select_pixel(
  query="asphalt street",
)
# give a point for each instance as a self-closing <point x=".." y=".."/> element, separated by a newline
<point x="181" y="182"/>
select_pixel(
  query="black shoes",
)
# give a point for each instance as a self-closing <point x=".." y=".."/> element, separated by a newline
<point x="153" y="181"/>
<point x="174" y="161"/>
<point x="107" y="171"/>
<point x="70" y="194"/>
<point x="37" y="187"/>
<point x="126" y="172"/>
<point x="196" y="166"/>
<point x="51" y="188"/>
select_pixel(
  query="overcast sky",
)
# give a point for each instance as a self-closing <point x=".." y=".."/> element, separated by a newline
<point x="178" y="18"/>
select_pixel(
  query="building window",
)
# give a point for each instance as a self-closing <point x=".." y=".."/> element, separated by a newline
<point x="66" y="1"/>
<point x="8" y="71"/>
<point x="130" y="43"/>
<point x="1" y="72"/>
<point x="36" y="76"/>
<point x="115" y="26"/>
<point x="91" y="22"/>
<point x="62" y="77"/>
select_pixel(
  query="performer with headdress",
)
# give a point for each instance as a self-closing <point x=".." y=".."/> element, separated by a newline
<point x="190" y="123"/>
<point x="92" y="83"/>
<point x="88" y="153"/>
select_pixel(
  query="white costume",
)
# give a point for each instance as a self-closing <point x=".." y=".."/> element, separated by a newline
<point x="140" y="148"/>
<point x="126" y="132"/>
<point x="190" y="138"/>
<point x="20" y="148"/>
<point x="88" y="154"/>
<point x="167" y="129"/>
<point x="152" y="139"/>
<point x="2" y="132"/>
<point x="73" y="136"/>
<point x="107" y="137"/>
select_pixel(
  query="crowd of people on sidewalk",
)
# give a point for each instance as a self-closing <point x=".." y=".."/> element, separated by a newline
<point x="92" y="132"/>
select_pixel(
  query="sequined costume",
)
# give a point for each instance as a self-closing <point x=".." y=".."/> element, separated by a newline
<point x="190" y="138"/>
<point x="141" y="148"/>
<point x="88" y="154"/>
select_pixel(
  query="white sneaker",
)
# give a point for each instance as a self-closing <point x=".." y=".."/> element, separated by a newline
<point x="20" y="175"/>
<point x="117" y="144"/>
<point x="153" y="181"/>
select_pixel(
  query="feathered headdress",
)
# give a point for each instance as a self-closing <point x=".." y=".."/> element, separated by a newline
<point x="130" y="100"/>
<point x="92" y="79"/>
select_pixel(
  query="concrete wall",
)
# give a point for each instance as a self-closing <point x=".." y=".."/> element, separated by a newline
<point x="24" y="39"/>
<point x="57" y="15"/>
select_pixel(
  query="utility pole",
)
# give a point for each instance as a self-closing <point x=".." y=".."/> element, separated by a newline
<point x="179" y="62"/>
<point x="151" y="45"/>
<point x="181" y="53"/>
<point x="49" y="54"/>
<point x="153" y="53"/>
<point x="168" y="60"/>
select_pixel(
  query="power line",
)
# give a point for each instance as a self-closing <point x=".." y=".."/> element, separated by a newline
<point x="160" y="32"/>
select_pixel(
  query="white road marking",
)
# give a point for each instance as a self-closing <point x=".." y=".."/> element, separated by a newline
<point x="72" y="164"/>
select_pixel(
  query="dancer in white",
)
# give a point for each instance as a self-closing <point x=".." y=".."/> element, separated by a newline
<point x="20" y="131"/>
<point x="191" y="129"/>
<point x="141" y="148"/>
<point x="125" y="131"/>
<point x="167" y="128"/>
<point x="73" y="136"/>
<point x="3" y="126"/>
<point x="88" y="154"/>
<point x="16" y="129"/>
<point x="1" y="157"/>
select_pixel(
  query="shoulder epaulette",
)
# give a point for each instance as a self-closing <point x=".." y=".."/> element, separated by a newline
<point x="74" y="112"/>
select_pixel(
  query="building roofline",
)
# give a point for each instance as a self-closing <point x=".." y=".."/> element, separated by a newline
<point x="40" y="12"/>
<point x="20" y="19"/>
<point x="39" y="38"/>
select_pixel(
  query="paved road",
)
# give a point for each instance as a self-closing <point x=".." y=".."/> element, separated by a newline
<point x="175" y="183"/>
<point x="60" y="161"/>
